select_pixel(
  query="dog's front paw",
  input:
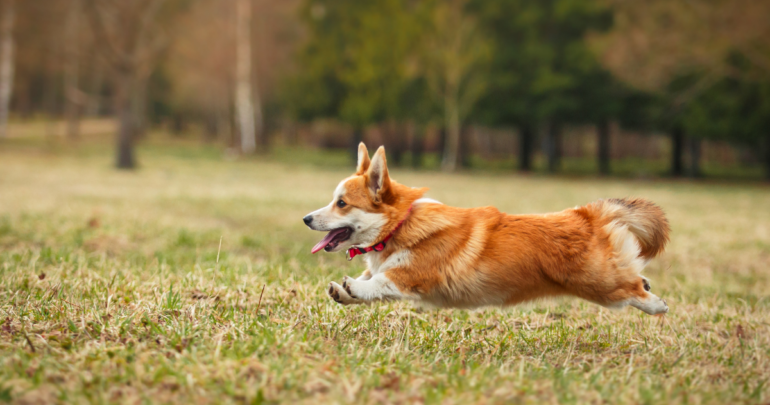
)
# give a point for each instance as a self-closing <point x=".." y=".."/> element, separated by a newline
<point x="347" y="282"/>
<point x="340" y="295"/>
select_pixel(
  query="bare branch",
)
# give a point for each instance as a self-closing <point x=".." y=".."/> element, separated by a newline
<point x="114" y="55"/>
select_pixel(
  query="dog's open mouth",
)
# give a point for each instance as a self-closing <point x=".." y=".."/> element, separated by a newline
<point x="333" y="239"/>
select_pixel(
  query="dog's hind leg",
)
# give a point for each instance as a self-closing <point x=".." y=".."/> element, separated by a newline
<point x="651" y="304"/>
<point x="639" y="297"/>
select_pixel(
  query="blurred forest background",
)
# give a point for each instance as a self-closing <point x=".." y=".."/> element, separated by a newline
<point x="674" y="87"/>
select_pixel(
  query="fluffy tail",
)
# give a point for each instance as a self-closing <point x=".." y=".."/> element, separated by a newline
<point x="644" y="220"/>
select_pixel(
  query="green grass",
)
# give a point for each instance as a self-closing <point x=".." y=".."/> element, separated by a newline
<point x="114" y="289"/>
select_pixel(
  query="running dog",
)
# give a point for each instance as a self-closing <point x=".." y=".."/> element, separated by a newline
<point x="421" y="250"/>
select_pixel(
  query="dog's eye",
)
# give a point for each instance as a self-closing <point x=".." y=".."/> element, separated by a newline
<point x="341" y="204"/>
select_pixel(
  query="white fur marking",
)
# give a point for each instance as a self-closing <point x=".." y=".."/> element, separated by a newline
<point x="625" y="246"/>
<point x="400" y="258"/>
<point x="426" y="200"/>
<point x="339" y="192"/>
<point x="366" y="227"/>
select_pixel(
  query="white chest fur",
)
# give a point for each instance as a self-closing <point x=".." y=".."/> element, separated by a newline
<point x="376" y="265"/>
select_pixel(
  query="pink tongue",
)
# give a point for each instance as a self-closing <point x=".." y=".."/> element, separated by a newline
<point x="328" y="238"/>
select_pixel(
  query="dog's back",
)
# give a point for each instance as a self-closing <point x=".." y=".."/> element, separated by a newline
<point x="480" y="256"/>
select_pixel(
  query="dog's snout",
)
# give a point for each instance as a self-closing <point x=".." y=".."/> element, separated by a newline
<point x="308" y="219"/>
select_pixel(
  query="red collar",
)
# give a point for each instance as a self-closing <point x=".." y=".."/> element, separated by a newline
<point x="378" y="247"/>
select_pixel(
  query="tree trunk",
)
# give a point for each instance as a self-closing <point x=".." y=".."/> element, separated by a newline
<point x="526" y="141"/>
<point x="441" y="139"/>
<point x="452" y="144"/>
<point x="695" y="157"/>
<point x="50" y="96"/>
<point x="465" y="146"/>
<point x="261" y="127"/>
<point x="243" y="92"/>
<point x="356" y="138"/>
<point x="766" y="157"/>
<point x="125" y="141"/>
<point x="73" y="96"/>
<point x="289" y="131"/>
<point x="394" y="142"/>
<point x="603" y="144"/>
<point x="139" y="107"/>
<point x="677" y="151"/>
<point x="553" y="146"/>
<point x="6" y="63"/>
<point x="211" y="127"/>
<point x="418" y="145"/>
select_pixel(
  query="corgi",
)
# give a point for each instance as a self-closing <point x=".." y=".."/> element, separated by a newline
<point x="421" y="250"/>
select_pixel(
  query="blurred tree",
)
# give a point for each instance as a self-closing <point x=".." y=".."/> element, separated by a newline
<point x="543" y="71"/>
<point x="679" y="50"/>
<point x="602" y="100"/>
<point x="379" y="36"/>
<point x="734" y="110"/>
<point x="356" y="63"/>
<point x="130" y="41"/>
<point x="455" y="55"/>
<point x="6" y="61"/>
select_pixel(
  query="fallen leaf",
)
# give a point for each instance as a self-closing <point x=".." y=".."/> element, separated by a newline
<point x="391" y="382"/>
<point x="7" y="328"/>
<point x="198" y="295"/>
<point x="93" y="222"/>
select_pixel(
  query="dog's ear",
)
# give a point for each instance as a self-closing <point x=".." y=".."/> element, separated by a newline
<point x="363" y="159"/>
<point x="377" y="179"/>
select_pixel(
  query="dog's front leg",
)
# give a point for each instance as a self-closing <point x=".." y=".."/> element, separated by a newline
<point x="341" y="293"/>
<point x="377" y="288"/>
<point x="366" y="275"/>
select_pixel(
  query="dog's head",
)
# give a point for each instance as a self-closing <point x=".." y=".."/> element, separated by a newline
<point x="364" y="206"/>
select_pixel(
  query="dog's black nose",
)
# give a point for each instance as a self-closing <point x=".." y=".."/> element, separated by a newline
<point x="308" y="219"/>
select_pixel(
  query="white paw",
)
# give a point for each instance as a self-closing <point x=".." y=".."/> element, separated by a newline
<point x="340" y="295"/>
<point x="347" y="284"/>
<point x="652" y="304"/>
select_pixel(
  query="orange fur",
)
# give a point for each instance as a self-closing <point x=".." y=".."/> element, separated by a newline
<point x="470" y="257"/>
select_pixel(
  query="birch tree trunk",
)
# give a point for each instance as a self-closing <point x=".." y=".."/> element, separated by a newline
<point x="6" y="63"/>
<point x="74" y="97"/>
<point x="243" y="93"/>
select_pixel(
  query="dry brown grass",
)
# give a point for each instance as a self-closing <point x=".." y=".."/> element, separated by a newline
<point x="110" y="291"/>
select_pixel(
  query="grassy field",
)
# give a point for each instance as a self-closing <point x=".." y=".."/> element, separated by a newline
<point x="190" y="281"/>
